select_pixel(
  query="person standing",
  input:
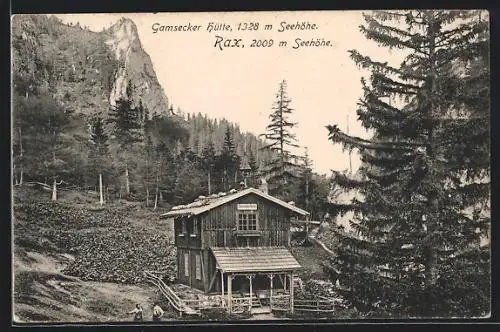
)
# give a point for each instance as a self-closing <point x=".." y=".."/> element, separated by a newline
<point x="137" y="313"/>
<point x="157" y="312"/>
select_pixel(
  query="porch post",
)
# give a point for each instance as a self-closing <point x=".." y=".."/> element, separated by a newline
<point x="222" y="282"/>
<point x="284" y="283"/>
<point x="229" y="291"/>
<point x="250" y="277"/>
<point x="291" y="292"/>
<point x="271" y="276"/>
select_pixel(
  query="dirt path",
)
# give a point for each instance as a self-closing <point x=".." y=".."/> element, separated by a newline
<point x="312" y="237"/>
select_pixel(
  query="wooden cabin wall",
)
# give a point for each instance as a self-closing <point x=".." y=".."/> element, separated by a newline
<point x="192" y="279"/>
<point x="219" y="223"/>
<point x="189" y="243"/>
<point x="190" y="239"/>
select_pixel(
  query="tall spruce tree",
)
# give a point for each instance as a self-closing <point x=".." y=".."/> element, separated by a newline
<point x="125" y="119"/>
<point x="208" y="160"/>
<point x="228" y="160"/>
<point x="281" y="170"/>
<point x="98" y="150"/>
<point x="306" y="179"/>
<point x="52" y="122"/>
<point x="415" y="249"/>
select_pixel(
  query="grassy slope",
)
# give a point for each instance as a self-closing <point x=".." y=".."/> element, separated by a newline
<point x="43" y="292"/>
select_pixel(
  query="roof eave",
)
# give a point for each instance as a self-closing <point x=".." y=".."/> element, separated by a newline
<point x="261" y="270"/>
<point x="176" y="214"/>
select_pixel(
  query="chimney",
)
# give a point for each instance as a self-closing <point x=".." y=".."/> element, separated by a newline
<point x="263" y="186"/>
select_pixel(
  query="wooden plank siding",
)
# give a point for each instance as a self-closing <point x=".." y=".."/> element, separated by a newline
<point x="219" y="224"/>
<point x="216" y="228"/>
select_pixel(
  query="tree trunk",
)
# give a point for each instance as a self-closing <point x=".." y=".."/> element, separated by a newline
<point x="54" y="190"/>
<point x="156" y="197"/>
<point x="431" y="266"/>
<point x="161" y="196"/>
<point x="432" y="254"/>
<point x="127" y="181"/>
<point x="307" y="194"/>
<point x="101" y="198"/>
<point x="21" y="154"/>
<point x="147" y="196"/>
<point x="209" y="184"/>
<point x="157" y="183"/>
<point x="14" y="173"/>
<point x="224" y="180"/>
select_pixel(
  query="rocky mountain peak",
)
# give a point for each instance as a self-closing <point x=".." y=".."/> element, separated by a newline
<point x="136" y="68"/>
<point x="123" y="36"/>
<point x="84" y="70"/>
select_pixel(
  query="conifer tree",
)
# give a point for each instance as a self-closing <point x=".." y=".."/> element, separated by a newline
<point x="281" y="170"/>
<point x="306" y="178"/>
<point x="252" y="181"/>
<point x="208" y="159"/>
<point x="53" y="122"/>
<point x="415" y="249"/>
<point x="228" y="160"/>
<point x="98" y="146"/>
<point x="126" y="129"/>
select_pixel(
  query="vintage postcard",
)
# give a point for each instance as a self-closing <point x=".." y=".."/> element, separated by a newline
<point x="226" y="166"/>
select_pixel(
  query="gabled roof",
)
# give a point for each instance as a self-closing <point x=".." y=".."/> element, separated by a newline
<point x="262" y="259"/>
<point x="204" y="204"/>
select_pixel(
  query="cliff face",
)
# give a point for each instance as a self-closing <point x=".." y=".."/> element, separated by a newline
<point x="135" y="67"/>
<point x="84" y="70"/>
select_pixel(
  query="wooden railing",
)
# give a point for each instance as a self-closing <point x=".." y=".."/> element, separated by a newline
<point x="280" y="302"/>
<point x="240" y="304"/>
<point x="198" y="304"/>
<point x="174" y="300"/>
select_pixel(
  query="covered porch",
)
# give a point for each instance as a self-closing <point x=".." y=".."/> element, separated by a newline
<point x="256" y="279"/>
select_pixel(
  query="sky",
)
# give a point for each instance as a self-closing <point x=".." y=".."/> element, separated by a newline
<point x="240" y="83"/>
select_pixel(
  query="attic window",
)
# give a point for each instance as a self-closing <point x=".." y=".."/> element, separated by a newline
<point x="247" y="221"/>
<point x="184" y="226"/>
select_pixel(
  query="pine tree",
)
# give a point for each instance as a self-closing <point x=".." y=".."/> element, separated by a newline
<point x="228" y="160"/>
<point x="52" y="123"/>
<point x="415" y="249"/>
<point x="126" y="129"/>
<point x="306" y="179"/>
<point x="148" y="166"/>
<point x="281" y="170"/>
<point x="208" y="159"/>
<point x="165" y="172"/>
<point x="252" y="181"/>
<point x="99" y="153"/>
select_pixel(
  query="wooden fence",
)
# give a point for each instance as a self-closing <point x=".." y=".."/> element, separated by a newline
<point x="318" y="305"/>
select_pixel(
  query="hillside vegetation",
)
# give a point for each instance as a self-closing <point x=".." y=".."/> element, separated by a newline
<point x="113" y="243"/>
<point x="77" y="261"/>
